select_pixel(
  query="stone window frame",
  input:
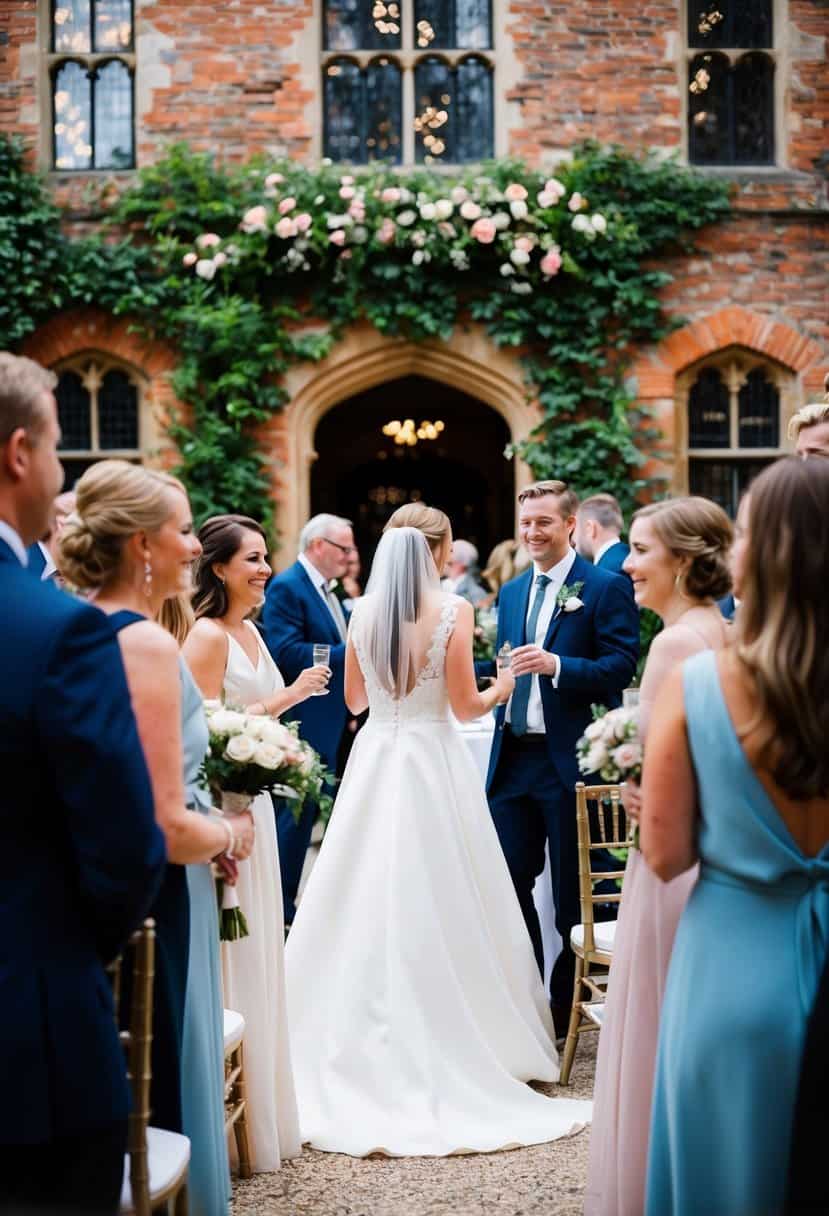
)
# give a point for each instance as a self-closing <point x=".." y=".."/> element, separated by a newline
<point x="406" y="56"/>
<point x="49" y="62"/>
<point x="91" y="366"/>
<point x="779" y="55"/>
<point x="735" y="362"/>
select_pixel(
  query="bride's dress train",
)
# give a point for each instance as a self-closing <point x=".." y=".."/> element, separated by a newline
<point x="416" y="1010"/>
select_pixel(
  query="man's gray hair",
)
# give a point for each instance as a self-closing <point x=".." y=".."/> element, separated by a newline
<point x="23" y="385"/>
<point x="319" y="525"/>
<point x="464" y="551"/>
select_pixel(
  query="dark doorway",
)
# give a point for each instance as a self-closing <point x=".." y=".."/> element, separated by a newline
<point x="364" y="475"/>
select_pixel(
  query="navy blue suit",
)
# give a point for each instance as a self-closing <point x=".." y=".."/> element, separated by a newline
<point x="531" y="780"/>
<point x="613" y="558"/>
<point x="37" y="560"/>
<point x="295" y="618"/>
<point x="82" y="859"/>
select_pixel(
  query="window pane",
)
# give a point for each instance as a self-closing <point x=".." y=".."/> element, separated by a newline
<point x="367" y="25"/>
<point x="724" y="481"/>
<point x="72" y="111"/>
<point x="759" y="412"/>
<point x="113" y="116"/>
<point x="383" y="114"/>
<point x="732" y="23"/>
<point x="435" y="103"/>
<point x="754" y="111"/>
<point x="73" y="413"/>
<point x="709" y="92"/>
<point x="343" y="99"/>
<point x="473" y="24"/>
<point x="113" y="25"/>
<point x="434" y="26"/>
<point x="473" y="127"/>
<point x="70" y="25"/>
<point x="454" y="24"/>
<point x="708" y="411"/>
<point x="117" y="412"/>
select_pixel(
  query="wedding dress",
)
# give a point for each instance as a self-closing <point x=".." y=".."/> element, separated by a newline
<point x="416" y="1010"/>
<point x="253" y="967"/>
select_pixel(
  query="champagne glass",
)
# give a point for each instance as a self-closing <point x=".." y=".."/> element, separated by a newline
<point x="504" y="657"/>
<point x="630" y="698"/>
<point x="322" y="658"/>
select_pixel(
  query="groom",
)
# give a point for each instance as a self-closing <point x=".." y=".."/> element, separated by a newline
<point x="575" y="633"/>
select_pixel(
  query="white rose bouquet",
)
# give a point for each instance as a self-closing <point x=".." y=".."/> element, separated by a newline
<point x="611" y="746"/>
<point x="250" y="754"/>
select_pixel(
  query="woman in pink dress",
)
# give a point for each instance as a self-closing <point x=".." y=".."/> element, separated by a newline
<point x="678" y="563"/>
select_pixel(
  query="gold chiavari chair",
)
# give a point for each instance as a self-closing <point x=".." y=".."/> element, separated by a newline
<point x="602" y="824"/>
<point x="235" y="1089"/>
<point x="155" y="1169"/>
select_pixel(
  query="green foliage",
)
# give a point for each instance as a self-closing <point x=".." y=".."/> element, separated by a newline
<point x="226" y="264"/>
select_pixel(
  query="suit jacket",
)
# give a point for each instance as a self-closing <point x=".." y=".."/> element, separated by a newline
<point x="612" y="558"/>
<point x="37" y="560"/>
<point x="597" y="645"/>
<point x="82" y="858"/>
<point x="295" y="617"/>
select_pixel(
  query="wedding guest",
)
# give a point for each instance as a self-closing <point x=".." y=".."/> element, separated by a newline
<point x="43" y="554"/>
<point x="302" y="611"/>
<point x="82" y="856"/>
<point x="460" y="578"/>
<point x="508" y="559"/>
<point x="350" y="583"/>
<point x="131" y="545"/>
<point x="599" y="527"/>
<point x="737" y="777"/>
<point x="230" y="661"/>
<point x="809" y="428"/>
<point x="678" y="563"/>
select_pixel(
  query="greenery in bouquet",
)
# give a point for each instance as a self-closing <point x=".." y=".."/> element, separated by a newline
<point x="611" y="746"/>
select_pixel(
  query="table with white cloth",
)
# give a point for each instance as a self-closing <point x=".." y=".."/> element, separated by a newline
<point x="478" y="737"/>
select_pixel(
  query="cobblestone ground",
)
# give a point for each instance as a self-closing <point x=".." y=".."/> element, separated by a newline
<point x="545" y="1180"/>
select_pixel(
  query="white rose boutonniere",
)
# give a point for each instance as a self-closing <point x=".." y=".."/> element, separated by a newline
<point x="567" y="599"/>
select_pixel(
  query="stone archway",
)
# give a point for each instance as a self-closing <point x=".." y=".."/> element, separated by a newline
<point x="363" y="359"/>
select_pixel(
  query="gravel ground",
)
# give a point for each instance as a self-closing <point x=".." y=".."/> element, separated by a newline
<point x="545" y="1180"/>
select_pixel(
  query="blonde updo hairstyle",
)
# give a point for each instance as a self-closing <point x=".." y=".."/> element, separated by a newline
<point x="697" y="529"/>
<point x="114" y="501"/>
<point x="432" y="522"/>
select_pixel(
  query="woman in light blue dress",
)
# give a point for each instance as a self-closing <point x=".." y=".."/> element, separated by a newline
<point x="737" y="774"/>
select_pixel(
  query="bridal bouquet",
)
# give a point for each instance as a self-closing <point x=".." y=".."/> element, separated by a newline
<point x="610" y="746"/>
<point x="250" y="754"/>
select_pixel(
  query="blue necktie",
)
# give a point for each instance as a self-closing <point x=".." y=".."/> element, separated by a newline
<point x="521" y="695"/>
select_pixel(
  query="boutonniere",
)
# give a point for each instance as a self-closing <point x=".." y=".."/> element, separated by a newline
<point x="567" y="599"/>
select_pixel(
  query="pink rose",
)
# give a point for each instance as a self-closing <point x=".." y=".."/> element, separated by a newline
<point x="525" y="243"/>
<point x="357" y="210"/>
<point x="386" y="231"/>
<point x="577" y="201"/>
<point x="554" y="186"/>
<point x="255" y="220"/>
<point x="303" y="221"/>
<point x="346" y="180"/>
<point x="208" y="240"/>
<point x="337" y="237"/>
<point x="347" y="192"/>
<point x="286" y="228"/>
<point x="470" y="209"/>
<point x="484" y="230"/>
<point x="274" y="179"/>
<point x="515" y="193"/>
<point x="547" y="199"/>
<point x="190" y="259"/>
<point x="345" y="255"/>
<point x="287" y="205"/>
<point x="391" y="194"/>
<point x="551" y="262"/>
<point x="219" y="258"/>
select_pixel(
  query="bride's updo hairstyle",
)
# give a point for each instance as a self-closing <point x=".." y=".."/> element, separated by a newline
<point x="432" y="522"/>
<point x="699" y="530"/>
<point x="114" y="501"/>
<point x="221" y="539"/>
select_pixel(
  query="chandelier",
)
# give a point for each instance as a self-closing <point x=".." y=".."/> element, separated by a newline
<point x="407" y="433"/>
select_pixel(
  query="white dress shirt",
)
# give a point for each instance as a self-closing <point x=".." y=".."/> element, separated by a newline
<point x="321" y="583"/>
<point x="8" y="534"/>
<point x="558" y="577"/>
<point x="50" y="568"/>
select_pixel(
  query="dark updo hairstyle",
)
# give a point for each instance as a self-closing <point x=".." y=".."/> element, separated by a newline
<point x="221" y="539"/>
<point x="699" y="530"/>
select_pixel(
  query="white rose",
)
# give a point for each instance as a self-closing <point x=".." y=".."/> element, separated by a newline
<point x="599" y="222"/>
<point x="573" y="603"/>
<point x="205" y="268"/>
<point x="546" y="198"/>
<point x="581" y="223"/>
<point x="519" y="257"/>
<point x="501" y="220"/>
<point x="595" y="759"/>
<point x="407" y="218"/>
<point x="212" y="705"/>
<point x="521" y="289"/>
<point x="276" y="734"/>
<point x="268" y="756"/>
<point x="428" y="211"/>
<point x="507" y="270"/>
<point x="240" y="748"/>
<point x="470" y="210"/>
<point x="595" y="730"/>
<point x="255" y="726"/>
<point x="227" y="722"/>
<point x="444" y="208"/>
<point x="418" y="257"/>
<point x="458" y="195"/>
<point x="519" y="209"/>
<point x="627" y="757"/>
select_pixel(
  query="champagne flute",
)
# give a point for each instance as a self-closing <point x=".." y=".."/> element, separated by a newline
<point x="321" y="658"/>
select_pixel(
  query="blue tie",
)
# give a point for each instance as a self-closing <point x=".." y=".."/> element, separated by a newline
<point x="521" y="694"/>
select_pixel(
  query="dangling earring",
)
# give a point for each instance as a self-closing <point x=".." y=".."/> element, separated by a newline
<point x="679" y="586"/>
<point x="148" y="576"/>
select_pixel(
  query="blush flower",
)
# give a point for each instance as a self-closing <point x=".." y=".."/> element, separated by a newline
<point x="551" y="262"/>
<point x="287" y="205"/>
<point x="347" y="192"/>
<point x="190" y="259"/>
<point x="470" y="210"/>
<point x="484" y="230"/>
<point x="255" y="220"/>
<point x="386" y="231"/>
<point x="391" y="194"/>
<point x="337" y="237"/>
<point x="208" y="240"/>
<point x="515" y="193"/>
<point x="577" y="201"/>
<point x="286" y="228"/>
<point x="205" y="268"/>
<point x="303" y="221"/>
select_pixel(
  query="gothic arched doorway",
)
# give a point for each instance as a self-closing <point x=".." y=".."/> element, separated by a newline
<point x="362" y="473"/>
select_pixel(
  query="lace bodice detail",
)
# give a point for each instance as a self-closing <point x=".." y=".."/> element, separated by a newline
<point x="243" y="683"/>
<point x="428" y="699"/>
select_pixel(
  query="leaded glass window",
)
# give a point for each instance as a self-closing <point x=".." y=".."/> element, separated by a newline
<point x="91" y="67"/>
<point x="362" y="111"/>
<point x="460" y="24"/>
<point x="462" y="93"/>
<point x="99" y="415"/>
<point x="734" y="408"/>
<point x="731" y="23"/>
<point x="359" y="25"/>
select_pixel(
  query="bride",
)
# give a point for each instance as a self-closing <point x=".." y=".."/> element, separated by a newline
<point x="416" y="1010"/>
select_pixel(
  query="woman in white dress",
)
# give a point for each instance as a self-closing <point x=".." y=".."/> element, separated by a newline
<point x="416" y="1009"/>
<point x="228" y="659"/>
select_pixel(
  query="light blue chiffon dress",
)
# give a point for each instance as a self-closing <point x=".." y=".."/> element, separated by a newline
<point x="744" y="973"/>
<point x="202" y="1072"/>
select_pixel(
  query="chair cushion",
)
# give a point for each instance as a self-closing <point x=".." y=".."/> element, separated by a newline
<point x="604" y="934"/>
<point x="234" y="1029"/>
<point x="168" y="1156"/>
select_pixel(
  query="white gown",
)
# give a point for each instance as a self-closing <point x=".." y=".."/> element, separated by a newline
<point x="253" y="968"/>
<point x="416" y="1009"/>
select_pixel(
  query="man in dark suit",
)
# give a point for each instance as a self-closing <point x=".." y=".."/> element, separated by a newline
<point x="599" y="525"/>
<point x="82" y="855"/>
<point x="575" y="633"/>
<point x="301" y="610"/>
